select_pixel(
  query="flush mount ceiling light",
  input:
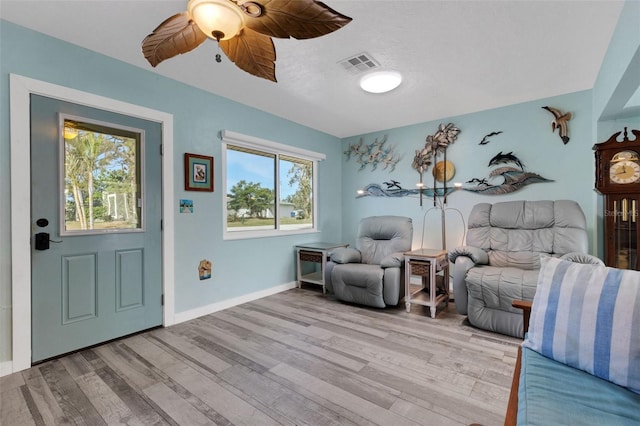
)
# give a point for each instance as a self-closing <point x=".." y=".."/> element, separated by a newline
<point x="243" y="30"/>
<point x="380" y="81"/>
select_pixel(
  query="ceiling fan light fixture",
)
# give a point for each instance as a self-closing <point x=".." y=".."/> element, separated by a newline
<point x="217" y="19"/>
<point x="380" y="81"/>
<point x="243" y="30"/>
<point x="70" y="132"/>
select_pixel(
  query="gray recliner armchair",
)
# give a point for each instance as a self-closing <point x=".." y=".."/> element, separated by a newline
<point x="372" y="273"/>
<point x="501" y="260"/>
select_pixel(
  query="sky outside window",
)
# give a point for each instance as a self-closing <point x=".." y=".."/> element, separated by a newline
<point x="258" y="169"/>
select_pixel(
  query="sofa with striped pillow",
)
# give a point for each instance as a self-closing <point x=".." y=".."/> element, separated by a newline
<point x="580" y="361"/>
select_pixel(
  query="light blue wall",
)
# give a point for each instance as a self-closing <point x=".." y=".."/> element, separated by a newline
<point x="527" y="133"/>
<point x="619" y="74"/>
<point x="239" y="267"/>
<point x="617" y="81"/>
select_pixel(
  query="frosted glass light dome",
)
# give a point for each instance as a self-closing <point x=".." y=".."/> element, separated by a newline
<point x="380" y="81"/>
<point x="216" y="17"/>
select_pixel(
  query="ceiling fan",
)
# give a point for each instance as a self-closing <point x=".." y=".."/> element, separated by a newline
<point x="243" y="30"/>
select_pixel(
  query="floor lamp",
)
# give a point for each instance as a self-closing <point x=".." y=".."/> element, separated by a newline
<point x="440" y="203"/>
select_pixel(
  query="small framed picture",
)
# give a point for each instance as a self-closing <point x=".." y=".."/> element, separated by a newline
<point x="186" y="206"/>
<point x="198" y="172"/>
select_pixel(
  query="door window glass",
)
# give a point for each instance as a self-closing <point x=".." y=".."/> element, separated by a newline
<point x="102" y="189"/>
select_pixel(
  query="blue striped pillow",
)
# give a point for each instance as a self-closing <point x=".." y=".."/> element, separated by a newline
<point x="588" y="317"/>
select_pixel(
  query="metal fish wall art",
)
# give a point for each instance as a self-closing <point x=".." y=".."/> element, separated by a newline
<point x="514" y="178"/>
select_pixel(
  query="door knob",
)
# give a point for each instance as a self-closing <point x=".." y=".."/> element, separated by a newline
<point x="42" y="241"/>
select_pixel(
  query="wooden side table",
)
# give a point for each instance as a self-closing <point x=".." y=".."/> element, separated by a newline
<point x="315" y="253"/>
<point x="428" y="264"/>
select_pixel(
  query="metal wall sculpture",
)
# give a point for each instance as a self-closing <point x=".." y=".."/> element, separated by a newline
<point x="374" y="155"/>
<point x="435" y="144"/>
<point x="393" y="189"/>
<point x="486" y="139"/>
<point x="514" y="178"/>
<point x="560" y="122"/>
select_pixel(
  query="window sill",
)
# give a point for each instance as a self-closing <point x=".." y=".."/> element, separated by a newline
<point x="244" y="235"/>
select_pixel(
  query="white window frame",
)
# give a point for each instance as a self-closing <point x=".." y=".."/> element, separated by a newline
<point x="259" y="144"/>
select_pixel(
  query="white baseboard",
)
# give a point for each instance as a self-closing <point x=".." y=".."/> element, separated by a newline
<point x="229" y="303"/>
<point x="6" y="368"/>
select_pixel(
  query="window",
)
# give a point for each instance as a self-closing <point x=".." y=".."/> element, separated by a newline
<point x="100" y="177"/>
<point x="270" y="187"/>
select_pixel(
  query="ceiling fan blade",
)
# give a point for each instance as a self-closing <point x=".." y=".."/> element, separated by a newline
<point x="252" y="52"/>
<point x="300" y="19"/>
<point x="175" y="35"/>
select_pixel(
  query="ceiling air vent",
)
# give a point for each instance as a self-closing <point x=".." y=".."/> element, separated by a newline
<point x="359" y="63"/>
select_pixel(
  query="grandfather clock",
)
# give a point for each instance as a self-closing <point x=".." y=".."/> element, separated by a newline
<point x="618" y="179"/>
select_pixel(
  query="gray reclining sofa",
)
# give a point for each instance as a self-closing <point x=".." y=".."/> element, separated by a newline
<point x="501" y="260"/>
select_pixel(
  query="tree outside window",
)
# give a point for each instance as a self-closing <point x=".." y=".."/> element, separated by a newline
<point x="101" y="178"/>
<point x="255" y="179"/>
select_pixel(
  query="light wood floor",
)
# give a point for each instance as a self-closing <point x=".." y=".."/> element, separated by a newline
<point x="295" y="358"/>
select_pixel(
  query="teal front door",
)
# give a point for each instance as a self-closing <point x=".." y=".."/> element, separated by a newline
<point x="96" y="247"/>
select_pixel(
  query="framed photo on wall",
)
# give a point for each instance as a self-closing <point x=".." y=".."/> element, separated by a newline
<point x="198" y="172"/>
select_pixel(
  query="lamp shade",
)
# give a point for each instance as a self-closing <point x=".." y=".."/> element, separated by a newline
<point x="70" y="132"/>
<point x="216" y="18"/>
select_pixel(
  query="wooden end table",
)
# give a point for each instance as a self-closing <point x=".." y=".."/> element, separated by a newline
<point x="315" y="253"/>
<point x="428" y="264"/>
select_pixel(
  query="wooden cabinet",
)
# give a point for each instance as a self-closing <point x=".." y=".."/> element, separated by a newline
<point x="618" y="180"/>
<point x="621" y="230"/>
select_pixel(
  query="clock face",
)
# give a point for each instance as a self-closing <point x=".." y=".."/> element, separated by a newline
<point x="624" y="171"/>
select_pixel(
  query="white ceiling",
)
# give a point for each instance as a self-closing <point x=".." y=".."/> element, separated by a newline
<point x="456" y="56"/>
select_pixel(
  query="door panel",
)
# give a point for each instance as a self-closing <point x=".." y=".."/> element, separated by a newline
<point x="91" y="287"/>
<point x="79" y="288"/>
<point x="129" y="279"/>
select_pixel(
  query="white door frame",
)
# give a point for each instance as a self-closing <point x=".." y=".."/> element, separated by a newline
<point x="20" y="90"/>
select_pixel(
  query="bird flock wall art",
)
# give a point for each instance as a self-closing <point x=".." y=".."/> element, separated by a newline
<point x="374" y="155"/>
